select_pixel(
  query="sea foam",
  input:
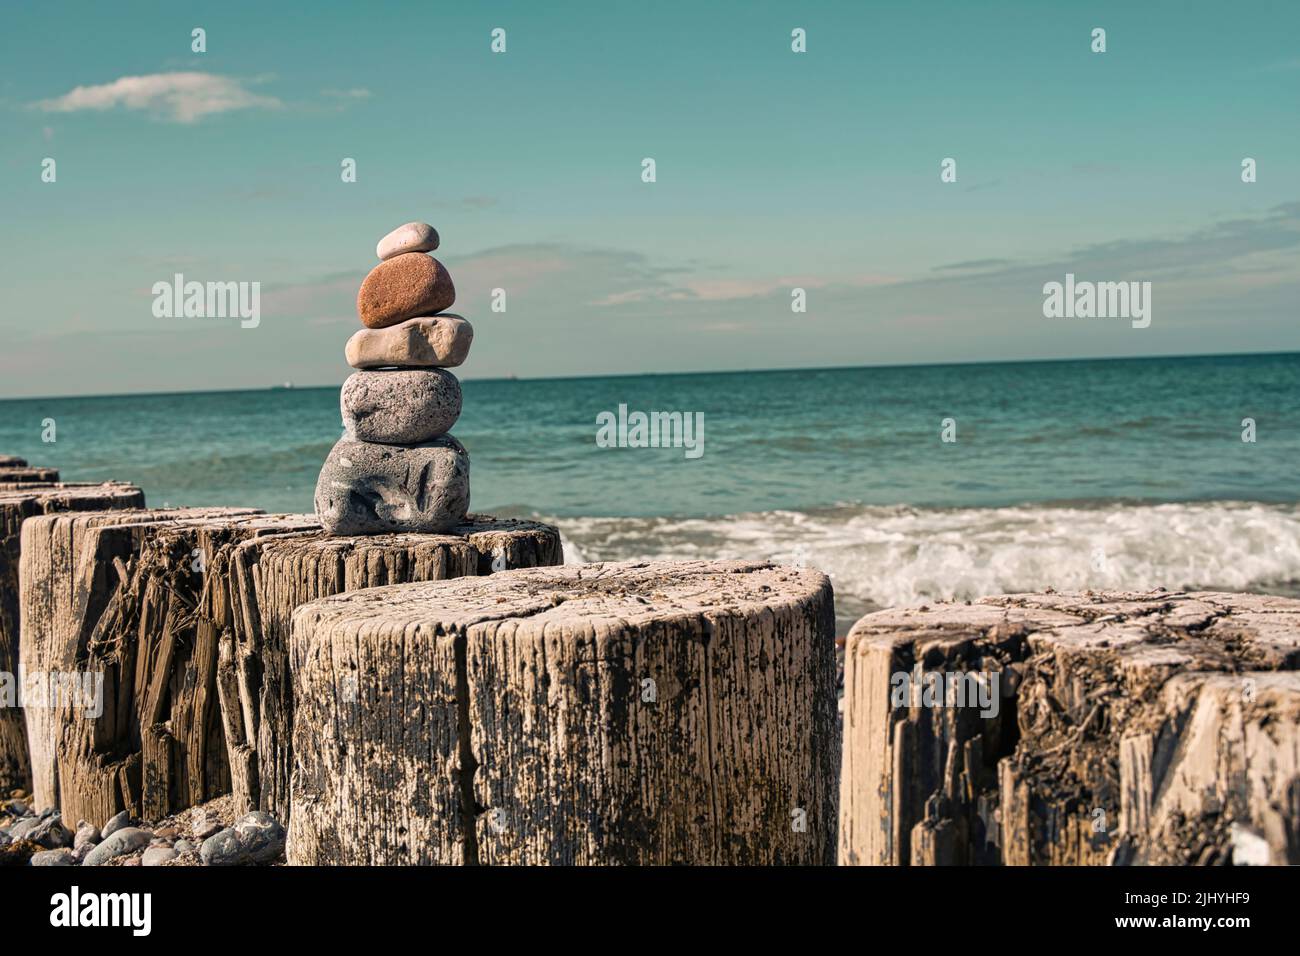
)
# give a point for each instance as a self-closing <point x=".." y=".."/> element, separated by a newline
<point x="888" y="556"/>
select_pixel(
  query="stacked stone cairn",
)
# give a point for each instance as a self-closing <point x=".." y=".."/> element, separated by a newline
<point x="397" y="468"/>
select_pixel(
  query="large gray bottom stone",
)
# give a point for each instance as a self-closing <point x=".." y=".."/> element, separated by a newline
<point x="367" y="488"/>
<point x="400" y="406"/>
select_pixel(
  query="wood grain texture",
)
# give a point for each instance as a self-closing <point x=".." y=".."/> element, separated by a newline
<point x="595" y="714"/>
<point x="1133" y="728"/>
<point x="186" y="613"/>
<point x="272" y="576"/>
<point x="17" y="505"/>
<point x="141" y="599"/>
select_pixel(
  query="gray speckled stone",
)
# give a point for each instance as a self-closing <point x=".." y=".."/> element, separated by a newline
<point x="158" y="855"/>
<point x="380" y="489"/>
<point x="115" y="823"/>
<point x="59" y="857"/>
<point x="23" y="827"/>
<point x="51" y="833"/>
<point x="400" y="406"/>
<point x="408" y="237"/>
<point x="255" y="838"/>
<point x="205" y="824"/>
<point x="119" y="843"/>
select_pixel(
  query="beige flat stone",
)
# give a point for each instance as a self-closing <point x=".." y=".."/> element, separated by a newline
<point x="436" y="341"/>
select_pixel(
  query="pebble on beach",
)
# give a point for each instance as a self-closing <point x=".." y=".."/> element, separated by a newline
<point x="60" y="857"/>
<point x="409" y="285"/>
<point x="380" y="489"/>
<point x="118" y="843"/>
<point x="255" y="838"/>
<point x="114" y="824"/>
<point x="435" y="341"/>
<point x="203" y="825"/>
<point x="158" y="855"/>
<point x="51" y="833"/>
<point x="252" y="839"/>
<point x="400" y="406"/>
<point x="85" y="834"/>
<point x="408" y="237"/>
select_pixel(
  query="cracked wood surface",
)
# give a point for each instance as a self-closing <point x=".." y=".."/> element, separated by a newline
<point x="186" y="614"/>
<point x="1150" y="727"/>
<point x="137" y="597"/>
<point x="271" y="577"/>
<point x="16" y="505"/>
<point x="612" y="713"/>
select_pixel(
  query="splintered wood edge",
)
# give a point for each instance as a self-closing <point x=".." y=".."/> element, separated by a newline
<point x="65" y="491"/>
<point x="1208" y="628"/>
<point x="629" y="592"/>
<point x="178" y="517"/>
<point x="484" y="532"/>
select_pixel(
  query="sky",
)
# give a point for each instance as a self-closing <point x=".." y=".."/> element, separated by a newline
<point x="775" y="170"/>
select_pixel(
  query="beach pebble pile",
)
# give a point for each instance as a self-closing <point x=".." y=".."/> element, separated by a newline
<point x="203" y="836"/>
<point x="397" y="467"/>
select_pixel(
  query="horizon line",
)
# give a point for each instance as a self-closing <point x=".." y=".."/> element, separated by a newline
<point x="744" y="371"/>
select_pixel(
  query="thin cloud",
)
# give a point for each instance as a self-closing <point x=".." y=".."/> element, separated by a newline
<point x="356" y="93"/>
<point x="340" y="100"/>
<point x="178" y="97"/>
<point x="972" y="264"/>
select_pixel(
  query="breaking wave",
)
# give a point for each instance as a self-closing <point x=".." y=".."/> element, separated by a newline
<point x="886" y="556"/>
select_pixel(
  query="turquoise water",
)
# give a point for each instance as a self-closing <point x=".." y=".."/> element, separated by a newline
<point x="1087" y="473"/>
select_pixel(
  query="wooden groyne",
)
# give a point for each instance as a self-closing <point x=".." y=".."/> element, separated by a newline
<point x="461" y="699"/>
<point x="270" y="577"/>
<point x="128" y="597"/>
<point x="16" y="474"/>
<point x="622" y="713"/>
<point x="185" y="615"/>
<point x="1119" y="728"/>
<point x="17" y="505"/>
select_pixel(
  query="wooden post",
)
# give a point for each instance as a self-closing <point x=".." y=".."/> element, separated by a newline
<point x="1124" y="728"/>
<point x="16" y="506"/>
<point x="186" y="615"/>
<point x="27" y="475"/>
<point x="272" y="576"/>
<point x="616" y="713"/>
<point x="139" y="599"/>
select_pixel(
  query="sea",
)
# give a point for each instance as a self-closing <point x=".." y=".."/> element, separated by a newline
<point x="904" y="484"/>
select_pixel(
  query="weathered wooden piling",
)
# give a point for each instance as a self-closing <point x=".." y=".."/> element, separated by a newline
<point x="16" y="505"/>
<point x="139" y="599"/>
<point x="270" y="577"/>
<point x="1158" y="727"/>
<point x="185" y="613"/>
<point x="28" y="476"/>
<point x="618" y="713"/>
